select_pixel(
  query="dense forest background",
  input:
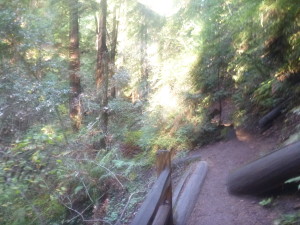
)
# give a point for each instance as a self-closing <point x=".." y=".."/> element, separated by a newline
<point x="90" y="90"/>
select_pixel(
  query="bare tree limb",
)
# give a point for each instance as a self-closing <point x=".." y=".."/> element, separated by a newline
<point x="79" y="214"/>
<point x="86" y="190"/>
<point x="125" y="207"/>
<point x="84" y="209"/>
<point x="108" y="170"/>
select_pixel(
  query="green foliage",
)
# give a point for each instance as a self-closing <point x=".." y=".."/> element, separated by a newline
<point x="294" y="180"/>
<point x="30" y="87"/>
<point x="26" y="168"/>
<point x="168" y="75"/>
<point x="132" y="137"/>
<point x="266" y="202"/>
<point x="24" y="101"/>
<point x="288" y="219"/>
<point x="246" y="47"/>
<point x="125" y="116"/>
<point x="262" y="96"/>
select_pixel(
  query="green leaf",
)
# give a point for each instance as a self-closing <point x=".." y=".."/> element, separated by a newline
<point x="293" y="180"/>
<point x="266" y="202"/>
<point x="77" y="189"/>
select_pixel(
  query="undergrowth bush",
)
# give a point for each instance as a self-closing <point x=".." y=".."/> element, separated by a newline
<point x="45" y="180"/>
<point x="26" y="168"/>
<point x="130" y="146"/>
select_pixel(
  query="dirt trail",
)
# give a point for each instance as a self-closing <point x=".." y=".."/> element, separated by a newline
<point x="215" y="206"/>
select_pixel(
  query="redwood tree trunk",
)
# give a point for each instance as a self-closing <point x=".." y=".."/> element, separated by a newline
<point x="113" y="52"/>
<point x="102" y="70"/>
<point x="144" y="57"/>
<point x="102" y="52"/>
<point x="74" y="67"/>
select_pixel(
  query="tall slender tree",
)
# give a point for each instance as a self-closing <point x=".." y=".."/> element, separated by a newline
<point x="102" y="50"/>
<point x="144" y="55"/>
<point x="74" y="67"/>
<point x="102" y="69"/>
<point x="113" y="51"/>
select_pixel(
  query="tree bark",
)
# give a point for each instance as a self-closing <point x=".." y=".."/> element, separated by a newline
<point x="102" y="70"/>
<point x="102" y="51"/>
<point x="266" y="173"/>
<point x="114" y="41"/>
<point x="187" y="191"/>
<point x="144" y="56"/>
<point x="74" y="67"/>
<point x="113" y="51"/>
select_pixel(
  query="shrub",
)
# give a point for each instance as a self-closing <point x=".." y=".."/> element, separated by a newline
<point x="130" y="146"/>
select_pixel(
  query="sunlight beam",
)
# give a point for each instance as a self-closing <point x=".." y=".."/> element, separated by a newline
<point x="162" y="7"/>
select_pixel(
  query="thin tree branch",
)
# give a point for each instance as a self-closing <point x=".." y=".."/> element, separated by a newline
<point x="108" y="170"/>
<point x="86" y="190"/>
<point x="83" y="210"/>
<point x="125" y="207"/>
<point x="79" y="214"/>
<point x="98" y="220"/>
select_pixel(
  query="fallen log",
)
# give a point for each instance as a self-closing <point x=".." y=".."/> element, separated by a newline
<point x="187" y="192"/>
<point x="162" y="215"/>
<point x="266" y="173"/>
<point x="269" y="117"/>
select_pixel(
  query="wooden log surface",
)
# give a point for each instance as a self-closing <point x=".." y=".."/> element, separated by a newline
<point x="269" y="117"/>
<point x="163" y="160"/>
<point x="181" y="184"/>
<point x="160" y="194"/>
<point x="187" y="192"/>
<point x="266" y="173"/>
<point x="162" y="214"/>
<point x="147" y="211"/>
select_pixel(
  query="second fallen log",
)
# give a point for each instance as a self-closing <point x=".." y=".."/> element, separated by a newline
<point x="273" y="114"/>
<point x="266" y="173"/>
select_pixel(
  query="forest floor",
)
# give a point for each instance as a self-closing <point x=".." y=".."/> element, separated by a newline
<point x="215" y="206"/>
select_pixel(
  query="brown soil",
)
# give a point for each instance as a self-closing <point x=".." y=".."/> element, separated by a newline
<point x="215" y="206"/>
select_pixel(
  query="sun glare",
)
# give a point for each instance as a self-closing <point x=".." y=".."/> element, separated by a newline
<point x="165" y="99"/>
<point x="162" y="7"/>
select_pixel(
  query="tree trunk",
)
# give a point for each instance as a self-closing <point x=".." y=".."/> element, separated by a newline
<point x="74" y="68"/>
<point x="266" y="173"/>
<point x="102" y="70"/>
<point x="102" y="52"/>
<point x="114" y="41"/>
<point x="144" y="58"/>
<point x="113" y="52"/>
